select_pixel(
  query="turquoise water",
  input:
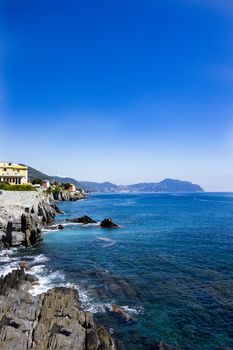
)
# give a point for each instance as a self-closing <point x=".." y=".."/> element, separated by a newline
<point x="170" y="265"/>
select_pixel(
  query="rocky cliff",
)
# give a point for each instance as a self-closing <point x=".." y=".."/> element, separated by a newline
<point x="68" y="196"/>
<point x="23" y="215"/>
<point x="52" y="320"/>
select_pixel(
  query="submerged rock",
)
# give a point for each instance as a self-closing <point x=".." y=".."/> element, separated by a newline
<point x="118" y="310"/>
<point x="52" y="320"/>
<point x="108" y="223"/>
<point x="82" y="220"/>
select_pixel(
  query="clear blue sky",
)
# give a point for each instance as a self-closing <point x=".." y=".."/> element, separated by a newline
<point x="119" y="90"/>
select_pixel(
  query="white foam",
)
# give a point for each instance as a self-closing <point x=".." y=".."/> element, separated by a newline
<point x="80" y="224"/>
<point x="41" y="258"/>
<point x="46" y="230"/>
<point x="109" y="242"/>
<point x="46" y="282"/>
<point x="7" y="252"/>
<point x="136" y="310"/>
<point x="8" y="267"/>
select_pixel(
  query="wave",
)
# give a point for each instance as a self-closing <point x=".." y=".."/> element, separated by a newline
<point x="47" y="230"/>
<point x="109" y="241"/>
<point x="133" y="310"/>
<point x="46" y="280"/>
<point x="79" y="224"/>
<point x="41" y="258"/>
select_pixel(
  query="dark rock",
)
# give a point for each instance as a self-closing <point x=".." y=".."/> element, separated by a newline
<point x="31" y="278"/>
<point x="12" y="280"/>
<point x="107" y="223"/>
<point x="82" y="220"/>
<point x="109" y="286"/>
<point x="60" y="227"/>
<point x="57" y="209"/>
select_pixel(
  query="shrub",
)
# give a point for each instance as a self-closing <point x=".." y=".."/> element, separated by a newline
<point x="37" y="181"/>
<point x="7" y="187"/>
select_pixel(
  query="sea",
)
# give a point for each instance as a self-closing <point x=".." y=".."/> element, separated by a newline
<point x="169" y="266"/>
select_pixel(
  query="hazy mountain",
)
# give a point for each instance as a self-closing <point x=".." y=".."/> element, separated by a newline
<point x="167" y="185"/>
<point x="36" y="174"/>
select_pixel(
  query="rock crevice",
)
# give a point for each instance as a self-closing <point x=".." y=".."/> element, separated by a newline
<point x="52" y="320"/>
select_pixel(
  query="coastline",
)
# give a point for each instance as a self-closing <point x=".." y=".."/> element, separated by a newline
<point x="30" y="320"/>
<point x="108" y="266"/>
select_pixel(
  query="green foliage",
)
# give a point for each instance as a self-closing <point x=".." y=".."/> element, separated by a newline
<point x="49" y="191"/>
<point x="7" y="187"/>
<point x="67" y="185"/>
<point x="57" y="189"/>
<point x="37" y="181"/>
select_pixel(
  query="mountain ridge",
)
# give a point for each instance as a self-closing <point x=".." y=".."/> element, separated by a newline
<point x="166" y="185"/>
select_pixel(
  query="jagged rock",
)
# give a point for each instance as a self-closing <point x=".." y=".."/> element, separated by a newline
<point x="58" y="210"/>
<point x="24" y="265"/>
<point x="107" y="223"/>
<point x="14" y="235"/>
<point x="118" y="310"/>
<point x="68" y="196"/>
<point x="82" y="220"/>
<point x="27" y="229"/>
<point x="52" y="320"/>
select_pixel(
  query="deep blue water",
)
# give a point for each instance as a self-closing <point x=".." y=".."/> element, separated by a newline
<point x="170" y="264"/>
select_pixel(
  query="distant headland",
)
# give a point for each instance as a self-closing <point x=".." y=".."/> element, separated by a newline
<point x="167" y="185"/>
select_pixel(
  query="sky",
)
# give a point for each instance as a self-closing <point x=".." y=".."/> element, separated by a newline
<point x="119" y="90"/>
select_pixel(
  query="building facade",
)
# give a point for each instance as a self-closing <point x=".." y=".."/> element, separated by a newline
<point x="46" y="184"/>
<point x="14" y="174"/>
<point x="72" y="188"/>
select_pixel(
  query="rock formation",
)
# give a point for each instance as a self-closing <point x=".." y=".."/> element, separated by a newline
<point x="118" y="310"/>
<point x="23" y="216"/>
<point x="108" y="223"/>
<point x="82" y="220"/>
<point x="52" y="320"/>
<point x="68" y="196"/>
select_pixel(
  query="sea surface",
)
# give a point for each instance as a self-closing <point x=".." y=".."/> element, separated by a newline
<point x="170" y="266"/>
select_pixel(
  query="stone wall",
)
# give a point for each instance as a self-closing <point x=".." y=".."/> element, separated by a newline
<point x="23" y="215"/>
<point x="15" y="202"/>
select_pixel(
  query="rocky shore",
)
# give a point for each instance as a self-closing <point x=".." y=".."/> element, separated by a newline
<point x="23" y="215"/>
<point x="68" y="196"/>
<point x="52" y="320"/>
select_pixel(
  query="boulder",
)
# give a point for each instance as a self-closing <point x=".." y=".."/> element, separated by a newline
<point x="108" y="223"/>
<point x="82" y="220"/>
<point x="118" y="310"/>
<point x="57" y="209"/>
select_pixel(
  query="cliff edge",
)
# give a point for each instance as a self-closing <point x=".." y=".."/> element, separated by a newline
<point x="52" y="320"/>
<point x="23" y="215"/>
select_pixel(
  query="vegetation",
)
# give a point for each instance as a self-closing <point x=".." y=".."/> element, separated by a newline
<point x="7" y="187"/>
<point x="67" y="185"/>
<point x="37" y="181"/>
